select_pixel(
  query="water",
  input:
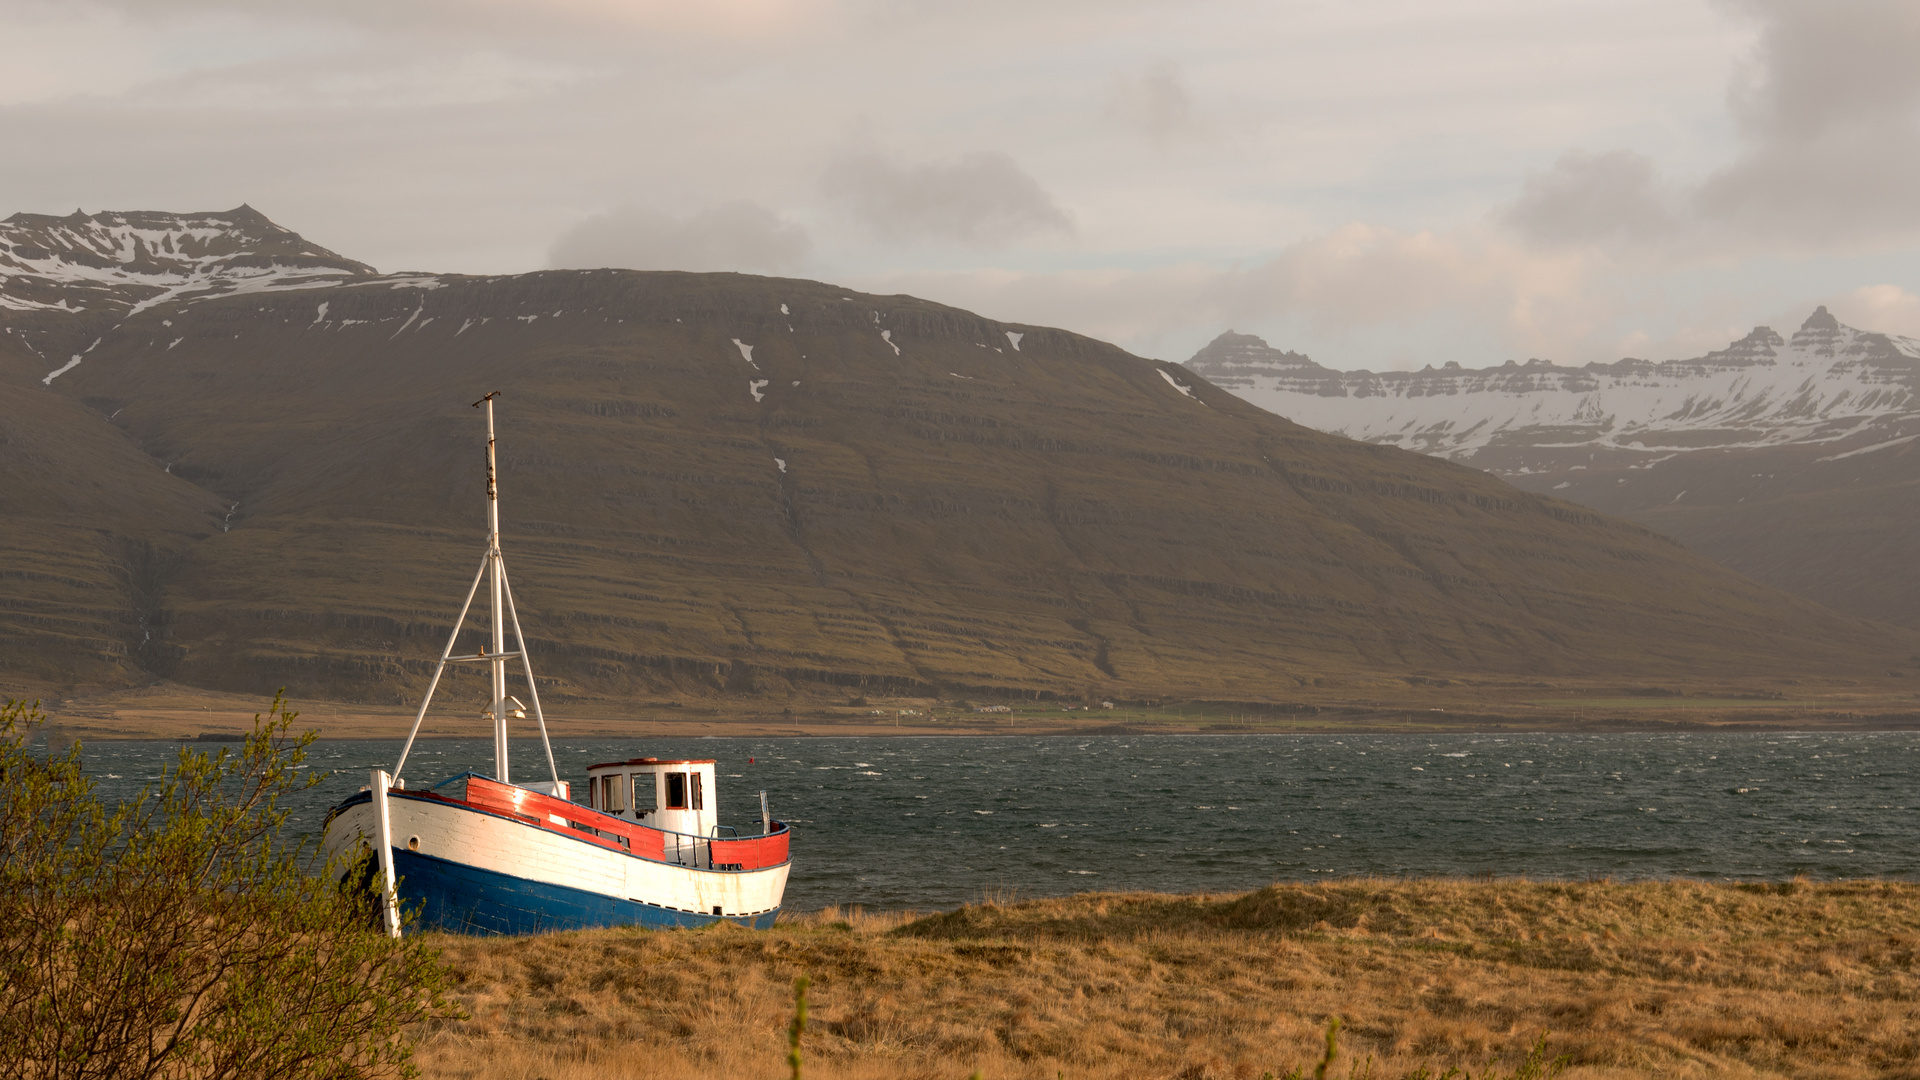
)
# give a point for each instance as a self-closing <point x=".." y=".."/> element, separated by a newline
<point x="936" y="822"/>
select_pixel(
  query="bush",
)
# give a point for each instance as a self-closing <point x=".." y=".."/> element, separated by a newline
<point x="178" y="934"/>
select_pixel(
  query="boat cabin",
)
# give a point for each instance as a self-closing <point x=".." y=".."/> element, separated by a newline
<point x="675" y="795"/>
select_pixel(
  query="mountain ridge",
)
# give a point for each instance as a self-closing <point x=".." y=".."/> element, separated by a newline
<point x="1825" y="384"/>
<point x="63" y="279"/>
<point x="770" y="488"/>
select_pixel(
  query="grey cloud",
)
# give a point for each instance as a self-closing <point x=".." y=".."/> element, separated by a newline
<point x="1592" y="198"/>
<point x="1828" y="65"/>
<point x="1843" y="191"/>
<point x="730" y="236"/>
<point x="1830" y="108"/>
<point x="1832" y="103"/>
<point x="982" y="199"/>
<point x="1154" y="103"/>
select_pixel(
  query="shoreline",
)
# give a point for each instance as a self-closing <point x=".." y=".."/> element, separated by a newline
<point x="167" y="712"/>
<point x="1062" y="735"/>
<point x="228" y="727"/>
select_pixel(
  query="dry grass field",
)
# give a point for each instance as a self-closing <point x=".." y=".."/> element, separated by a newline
<point x="1648" y="979"/>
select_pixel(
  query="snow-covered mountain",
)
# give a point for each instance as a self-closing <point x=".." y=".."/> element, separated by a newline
<point x="117" y="264"/>
<point x="1793" y="460"/>
<point x="1828" y="385"/>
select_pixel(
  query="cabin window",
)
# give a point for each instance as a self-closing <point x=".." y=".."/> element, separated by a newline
<point x="615" y="792"/>
<point x="645" y="797"/>
<point x="699" y="803"/>
<point x="676" y="791"/>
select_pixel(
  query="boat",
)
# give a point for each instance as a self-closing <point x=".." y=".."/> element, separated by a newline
<point x="478" y="854"/>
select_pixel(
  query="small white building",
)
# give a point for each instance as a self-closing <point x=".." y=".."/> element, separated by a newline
<point x="673" y="795"/>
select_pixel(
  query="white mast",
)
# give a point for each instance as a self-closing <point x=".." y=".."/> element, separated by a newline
<point x="494" y="568"/>
<point x="497" y="608"/>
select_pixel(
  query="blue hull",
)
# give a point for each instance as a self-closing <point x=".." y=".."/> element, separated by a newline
<point x="461" y="899"/>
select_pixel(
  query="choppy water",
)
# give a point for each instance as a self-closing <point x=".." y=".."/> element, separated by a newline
<point x="936" y="822"/>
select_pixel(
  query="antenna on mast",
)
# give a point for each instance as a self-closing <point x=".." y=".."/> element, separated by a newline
<point x="493" y="567"/>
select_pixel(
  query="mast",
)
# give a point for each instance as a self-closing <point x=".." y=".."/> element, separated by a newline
<point x="497" y="608"/>
<point x="493" y="569"/>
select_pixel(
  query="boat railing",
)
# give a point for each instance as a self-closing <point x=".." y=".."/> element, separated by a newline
<point x="459" y="778"/>
<point x="643" y="841"/>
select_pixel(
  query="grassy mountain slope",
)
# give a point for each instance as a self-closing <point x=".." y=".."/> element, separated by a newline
<point x="885" y="493"/>
<point x="1833" y="526"/>
<point x="92" y="526"/>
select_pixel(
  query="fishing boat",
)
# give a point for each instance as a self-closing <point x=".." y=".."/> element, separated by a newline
<point x="483" y="854"/>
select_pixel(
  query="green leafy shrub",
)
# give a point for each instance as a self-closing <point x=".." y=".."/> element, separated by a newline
<point x="179" y="934"/>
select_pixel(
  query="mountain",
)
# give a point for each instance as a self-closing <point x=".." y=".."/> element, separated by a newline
<point x="1787" y="459"/>
<point x="722" y="484"/>
<point x="123" y="263"/>
<point x="1828" y="385"/>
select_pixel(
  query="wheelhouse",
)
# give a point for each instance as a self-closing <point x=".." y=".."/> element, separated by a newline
<point x="676" y="795"/>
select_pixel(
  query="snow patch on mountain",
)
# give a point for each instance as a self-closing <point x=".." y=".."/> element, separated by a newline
<point x="59" y="371"/>
<point x="1185" y="390"/>
<point x="410" y="318"/>
<point x="1887" y="445"/>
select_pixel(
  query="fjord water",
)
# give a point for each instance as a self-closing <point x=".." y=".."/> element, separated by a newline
<point x="936" y="822"/>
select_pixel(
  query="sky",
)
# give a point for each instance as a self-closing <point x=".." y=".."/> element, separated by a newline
<point x="1378" y="183"/>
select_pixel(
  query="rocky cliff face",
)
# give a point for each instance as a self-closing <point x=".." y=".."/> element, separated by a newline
<point x="1826" y="385"/>
<point x="721" y="484"/>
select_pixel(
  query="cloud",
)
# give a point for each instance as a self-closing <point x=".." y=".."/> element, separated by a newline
<point x="1153" y="103"/>
<point x="1831" y="102"/>
<point x="1365" y="276"/>
<point x="730" y="236"/>
<point x="1888" y="309"/>
<point x="1585" y="198"/>
<point x="982" y="199"/>
<point x="387" y="81"/>
<point x="441" y="18"/>
<point x="1387" y="295"/>
<point x="1827" y="66"/>
<point x="1362" y="273"/>
<point x="1330" y="174"/>
<point x="1829" y="108"/>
